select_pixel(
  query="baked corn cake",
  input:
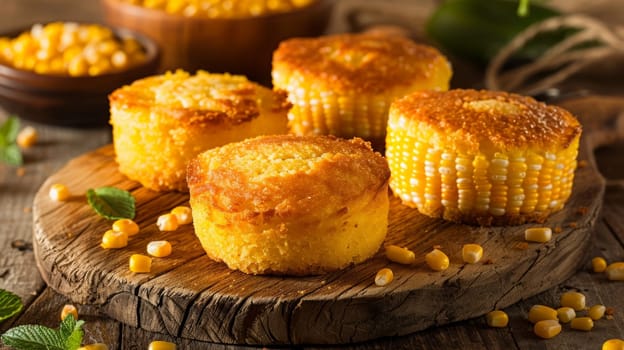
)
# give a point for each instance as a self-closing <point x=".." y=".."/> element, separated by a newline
<point x="286" y="204"/>
<point x="343" y="84"/>
<point x="161" y="122"/>
<point x="481" y="157"/>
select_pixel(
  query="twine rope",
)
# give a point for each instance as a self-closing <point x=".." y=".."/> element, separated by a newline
<point x="559" y="62"/>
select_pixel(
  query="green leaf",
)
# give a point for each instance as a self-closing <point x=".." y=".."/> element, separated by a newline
<point x="11" y="154"/>
<point x="523" y="8"/>
<point x="111" y="202"/>
<point x="33" y="337"/>
<point x="9" y="130"/>
<point x="71" y="331"/>
<point x="10" y="304"/>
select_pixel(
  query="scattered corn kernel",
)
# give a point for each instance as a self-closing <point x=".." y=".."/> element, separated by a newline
<point x="541" y="312"/>
<point x="384" y="277"/>
<point x="159" y="249"/>
<point x="140" y="263"/>
<point x="582" y="323"/>
<point x="95" y="346"/>
<point x="437" y="260"/>
<point x="565" y="314"/>
<point x="596" y="312"/>
<point x="27" y="137"/>
<point x="599" y="264"/>
<point x="183" y="214"/>
<point x="127" y="226"/>
<point x="400" y="255"/>
<point x="114" y="239"/>
<point x="69" y="309"/>
<point x="497" y="318"/>
<point x="615" y="271"/>
<point x="613" y="344"/>
<point x="547" y="328"/>
<point x="167" y="222"/>
<point x="161" y="345"/>
<point x="59" y="192"/>
<point x="472" y="253"/>
<point x="574" y="300"/>
<point x="538" y="234"/>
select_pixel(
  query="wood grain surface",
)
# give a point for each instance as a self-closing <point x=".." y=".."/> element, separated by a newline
<point x="188" y="295"/>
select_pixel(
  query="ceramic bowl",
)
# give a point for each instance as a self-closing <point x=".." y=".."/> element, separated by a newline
<point x="233" y="45"/>
<point x="66" y="100"/>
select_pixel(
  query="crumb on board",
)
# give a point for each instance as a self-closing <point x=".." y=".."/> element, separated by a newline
<point x="21" y="171"/>
<point x="582" y="210"/>
<point x="557" y="229"/>
<point x="522" y="245"/>
<point x="573" y="224"/>
<point x="582" y="163"/>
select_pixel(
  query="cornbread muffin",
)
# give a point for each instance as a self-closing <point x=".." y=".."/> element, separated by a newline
<point x="161" y="122"/>
<point x="286" y="204"/>
<point x="481" y="157"/>
<point x="343" y="84"/>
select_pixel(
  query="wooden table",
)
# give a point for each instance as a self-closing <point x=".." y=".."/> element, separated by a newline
<point x="56" y="146"/>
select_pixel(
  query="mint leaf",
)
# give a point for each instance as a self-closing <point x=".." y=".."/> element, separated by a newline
<point x="9" y="130"/>
<point x="9" y="151"/>
<point x="11" y="154"/>
<point x="71" y="331"/>
<point x="10" y="304"/>
<point x="111" y="202"/>
<point x="36" y="337"/>
<point x="33" y="337"/>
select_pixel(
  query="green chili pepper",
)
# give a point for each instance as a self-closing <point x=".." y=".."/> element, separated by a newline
<point x="476" y="30"/>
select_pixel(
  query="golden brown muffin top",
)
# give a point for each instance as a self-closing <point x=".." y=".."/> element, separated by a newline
<point x="200" y="98"/>
<point x="286" y="175"/>
<point x="488" y="118"/>
<point x="358" y="62"/>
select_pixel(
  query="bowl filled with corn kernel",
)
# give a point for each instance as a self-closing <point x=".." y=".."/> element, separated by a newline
<point x="62" y="72"/>
<point x="220" y="36"/>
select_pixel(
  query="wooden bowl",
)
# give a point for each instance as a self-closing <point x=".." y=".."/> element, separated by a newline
<point x="234" y="45"/>
<point x="65" y="100"/>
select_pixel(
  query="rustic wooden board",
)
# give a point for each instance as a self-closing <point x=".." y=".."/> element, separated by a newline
<point x="188" y="295"/>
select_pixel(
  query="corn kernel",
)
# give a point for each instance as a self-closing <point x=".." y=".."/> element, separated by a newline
<point x="599" y="264"/>
<point x="582" y="324"/>
<point x="167" y="222"/>
<point x="541" y="312"/>
<point x="384" y="277"/>
<point x="140" y="263"/>
<point x="161" y="345"/>
<point x="437" y="260"/>
<point x="574" y="300"/>
<point x="114" y="239"/>
<point x="159" y="249"/>
<point x="613" y="344"/>
<point x="27" y="137"/>
<point x="95" y="346"/>
<point x="565" y="314"/>
<point x="615" y="271"/>
<point x="183" y="214"/>
<point x="59" y="192"/>
<point x="497" y="318"/>
<point x="69" y="309"/>
<point x="472" y="253"/>
<point x="547" y="328"/>
<point x="400" y="255"/>
<point x="538" y="234"/>
<point x="596" y="312"/>
<point x="126" y="226"/>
